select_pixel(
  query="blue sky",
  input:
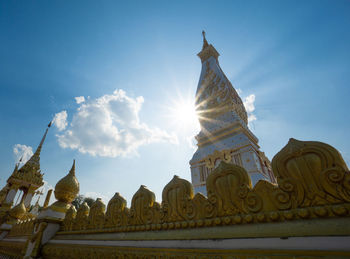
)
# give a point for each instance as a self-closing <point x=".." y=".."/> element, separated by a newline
<point x="293" y="56"/>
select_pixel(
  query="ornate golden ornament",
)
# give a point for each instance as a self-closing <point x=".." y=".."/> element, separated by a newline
<point x="68" y="221"/>
<point x="22" y="228"/>
<point x="97" y="215"/>
<point x="68" y="187"/>
<point x="81" y="219"/>
<point x="80" y="251"/>
<point x="117" y="212"/>
<point x="313" y="173"/>
<point x="19" y="211"/>
<point x="223" y="155"/>
<point x="144" y="209"/>
<point x="228" y="186"/>
<point x="177" y="198"/>
<point x="231" y="197"/>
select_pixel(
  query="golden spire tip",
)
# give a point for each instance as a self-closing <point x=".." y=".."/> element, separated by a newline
<point x="205" y="43"/>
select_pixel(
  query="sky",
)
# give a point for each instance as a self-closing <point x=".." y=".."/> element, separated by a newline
<point x="119" y="79"/>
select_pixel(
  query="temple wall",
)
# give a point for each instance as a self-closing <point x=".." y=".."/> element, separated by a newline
<point x="305" y="215"/>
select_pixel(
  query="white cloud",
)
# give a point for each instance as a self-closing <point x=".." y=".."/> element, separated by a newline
<point x="110" y="126"/>
<point x="22" y="151"/>
<point x="79" y="99"/>
<point x="249" y="106"/>
<point x="60" y="120"/>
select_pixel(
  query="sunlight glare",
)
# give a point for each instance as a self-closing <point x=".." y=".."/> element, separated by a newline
<point x="183" y="114"/>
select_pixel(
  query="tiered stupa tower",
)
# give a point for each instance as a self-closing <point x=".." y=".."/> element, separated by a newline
<point x="224" y="134"/>
<point x="27" y="179"/>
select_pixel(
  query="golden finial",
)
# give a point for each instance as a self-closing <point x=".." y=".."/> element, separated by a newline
<point x="68" y="187"/>
<point x="205" y="43"/>
<point x="72" y="170"/>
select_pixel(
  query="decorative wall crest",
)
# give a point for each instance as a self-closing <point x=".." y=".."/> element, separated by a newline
<point x="231" y="197"/>
<point x="314" y="173"/>
<point x="97" y="214"/>
<point x="144" y="209"/>
<point x="68" y="221"/>
<point x="81" y="220"/>
<point x="177" y="196"/>
<point x="117" y="213"/>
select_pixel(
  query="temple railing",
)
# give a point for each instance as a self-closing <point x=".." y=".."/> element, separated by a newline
<point x="305" y="215"/>
<point x="313" y="183"/>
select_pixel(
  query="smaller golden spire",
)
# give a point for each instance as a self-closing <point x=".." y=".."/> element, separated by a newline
<point x="68" y="187"/>
<point x="18" y="211"/>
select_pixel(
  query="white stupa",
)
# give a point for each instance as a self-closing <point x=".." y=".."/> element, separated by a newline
<point x="224" y="134"/>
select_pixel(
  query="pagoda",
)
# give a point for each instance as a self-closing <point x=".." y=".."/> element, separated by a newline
<point x="27" y="179"/>
<point x="224" y="135"/>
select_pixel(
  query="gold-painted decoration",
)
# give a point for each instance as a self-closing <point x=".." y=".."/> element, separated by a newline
<point x="22" y="228"/>
<point x="117" y="212"/>
<point x="311" y="198"/>
<point x="58" y="251"/>
<point x="18" y="211"/>
<point x="37" y="237"/>
<point x="228" y="187"/>
<point x="177" y="198"/>
<point x="144" y="209"/>
<point x="68" y="187"/>
<point x="313" y="173"/>
<point x="11" y="249"/>
<point x="68" y="221"/>
<point x="232" y="200"/>
<point x="223" y="155"/>
<point x="82" y="217"/>
<point x="97" y="214"/>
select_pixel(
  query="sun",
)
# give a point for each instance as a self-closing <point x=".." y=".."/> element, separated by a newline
<point x="182" y="113"/>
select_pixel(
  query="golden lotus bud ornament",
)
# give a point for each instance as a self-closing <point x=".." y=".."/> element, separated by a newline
<point x="68" y="187"/>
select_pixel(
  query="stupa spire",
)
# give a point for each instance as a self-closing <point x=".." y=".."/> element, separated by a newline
<point x="208" y="50"/>
<point x="205" y="42"/>
<point x="38" y="150"/>
<point x="34" y="161"/>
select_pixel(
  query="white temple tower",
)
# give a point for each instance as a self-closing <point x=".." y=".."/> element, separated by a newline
<point x="224" y="134"/>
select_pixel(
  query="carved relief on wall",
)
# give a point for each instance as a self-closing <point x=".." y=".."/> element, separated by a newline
<point x="117" y="212"/>
<point x="314" y="173"/>
<point x="144" y="209"/>
<point x="97" y="214"/>
<point x="313" y="181"/>
<point x="68" y="221"/>
<point x="81" y="220"/>
<point x="177" y="196"/>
